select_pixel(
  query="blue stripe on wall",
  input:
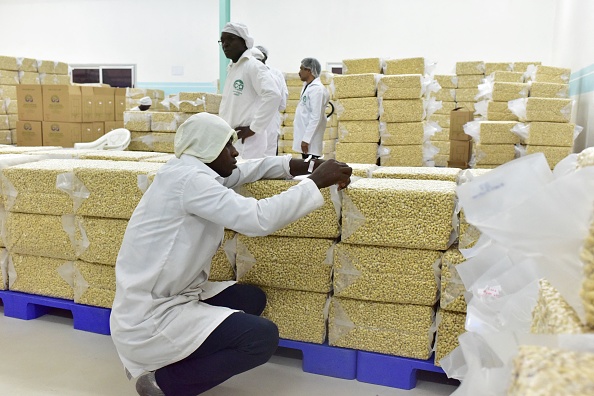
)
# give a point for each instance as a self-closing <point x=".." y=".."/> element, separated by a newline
<point x="582" y="72"/>
<point x="176" y="87"/>
<point x="582" y="81"/>
<point x="582" y="85"/>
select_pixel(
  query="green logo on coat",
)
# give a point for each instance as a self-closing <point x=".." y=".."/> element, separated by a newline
<point x="237" y="87"/>
<point x="304" y="99"/>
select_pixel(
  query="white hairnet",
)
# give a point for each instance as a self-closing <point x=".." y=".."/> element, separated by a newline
<point x="239" y="29"/>
<point x="313" y="65"/>
<point x="146" y="101"/>
<point x="204" y="136"/>
<point x="263" y="49"/>
<point x="256" y="53"/>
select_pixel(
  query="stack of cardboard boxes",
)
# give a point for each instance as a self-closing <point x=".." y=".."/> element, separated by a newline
<point x="61" y="115"/>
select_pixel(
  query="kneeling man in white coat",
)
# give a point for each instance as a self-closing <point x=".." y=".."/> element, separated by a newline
<point x="180" y="333"/>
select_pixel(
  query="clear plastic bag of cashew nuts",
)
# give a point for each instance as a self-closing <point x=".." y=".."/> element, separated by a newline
<point x="522" y="208"/>
<point x="512" y="363"/>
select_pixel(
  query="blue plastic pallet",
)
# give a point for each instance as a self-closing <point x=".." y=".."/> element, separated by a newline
<point x="30" y="306"/>
<point x="393" y="371"/>
<point x="325" y="360"/>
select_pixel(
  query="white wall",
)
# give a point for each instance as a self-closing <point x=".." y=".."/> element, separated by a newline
<point x="573" y="46"/>
<point x="153" y="34"/>
<point x="185" y="32"/>
<point x="444" y="31"/>
<point x="158" y="34"/>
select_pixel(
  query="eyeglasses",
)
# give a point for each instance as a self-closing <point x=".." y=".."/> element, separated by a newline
<point x="229" y="38"/>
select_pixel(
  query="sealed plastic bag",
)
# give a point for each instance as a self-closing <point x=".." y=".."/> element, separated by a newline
<point x="542" y="109"/>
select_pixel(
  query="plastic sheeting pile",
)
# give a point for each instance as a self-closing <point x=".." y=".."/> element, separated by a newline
<point x="533" y="224"/>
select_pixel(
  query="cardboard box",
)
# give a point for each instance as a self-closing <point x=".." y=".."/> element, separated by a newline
<point x="458" y="118"/>
<point x="99" y="130"/>
<point x="29" y="133"/>
<point x="460" y="153"/>
<point x="86" y="131"/>
<point x="88" y="104"/>
<point x="30" y="102"/>
<point x="104" y="103"/>
<point x="119" y="103"/>
<point x="112" y="125"/>
<point x="92" y="131"/>
<point x="62" y="103"/>
<point x="76" y="133"/>
<point x="63" y="134"/>
<point x="99" y="104"/>
<point x="107" y="94"/>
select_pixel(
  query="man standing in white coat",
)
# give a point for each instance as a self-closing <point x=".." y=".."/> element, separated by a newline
<point x="310" y="117"/>
<point x="250" y="97"/>
<point x="179" y="332"/>
<point x="274" y="129"/>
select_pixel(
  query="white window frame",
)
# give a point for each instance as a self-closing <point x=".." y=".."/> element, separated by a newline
<point x="100" y="67"/>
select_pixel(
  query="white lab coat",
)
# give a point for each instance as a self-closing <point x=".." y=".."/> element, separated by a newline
<point x="310" y="118"/>
<point x="274" y="129"/>
<point x="164" y="262"/>
<point x="250" y="98"/>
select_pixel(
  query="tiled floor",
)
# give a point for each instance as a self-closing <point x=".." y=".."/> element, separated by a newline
<point x="46" y="356"/>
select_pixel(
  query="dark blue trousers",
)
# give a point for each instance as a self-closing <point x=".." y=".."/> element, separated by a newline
<point x="241" y="342"/>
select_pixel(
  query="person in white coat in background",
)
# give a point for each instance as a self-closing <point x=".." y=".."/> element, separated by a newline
<point x="174" y="329"/>
<point x="251" y="97"/>
<point x="274" y="129"/>
<point x="310" y="117"/>
<point x="144" y="104"/>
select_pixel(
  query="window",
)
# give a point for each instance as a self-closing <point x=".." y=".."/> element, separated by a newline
<point x="334" y="67"/>
<point x="120" y="76"/>
<point x="85" y="76"/>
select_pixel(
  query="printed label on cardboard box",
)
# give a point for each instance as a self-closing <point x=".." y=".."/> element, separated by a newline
<point x="29" y="133"/>
<point x="30" y="102"/>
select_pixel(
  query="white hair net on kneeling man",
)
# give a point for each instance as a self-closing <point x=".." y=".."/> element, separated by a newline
<point x="313" y="65"/>
<point x="203" y="136"/>
<point x="240" y="30"/>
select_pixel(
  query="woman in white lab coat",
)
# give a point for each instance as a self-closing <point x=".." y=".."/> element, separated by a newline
<point x="310" y="117"/>
<point x="168" y="321"/>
